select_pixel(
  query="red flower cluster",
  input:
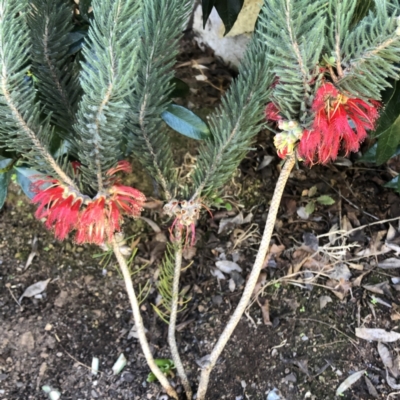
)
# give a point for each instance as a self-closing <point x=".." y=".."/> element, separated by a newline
<point x="95" y="220"/>
<point x="338" y="120"/>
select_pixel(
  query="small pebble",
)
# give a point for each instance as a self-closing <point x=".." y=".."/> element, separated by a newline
<point x="201" y="308"/>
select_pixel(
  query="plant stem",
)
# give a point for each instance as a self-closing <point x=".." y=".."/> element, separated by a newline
<point x="172" y="320"/>
<point x="139" y="322"/>
<point x="251" y="283"/>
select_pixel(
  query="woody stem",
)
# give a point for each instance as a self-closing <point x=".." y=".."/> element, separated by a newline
<point x="252" y="280"/>
<point x="172" y="320"/>
<point x="139" y="322"/>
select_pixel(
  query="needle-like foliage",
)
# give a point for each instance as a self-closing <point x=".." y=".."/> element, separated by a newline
<point x="235" y="123"/>
<point x="107" y="78"/>
<point x="53" y="68"/>
<point x="163" y="22"/>
<point x="22" y="128"/>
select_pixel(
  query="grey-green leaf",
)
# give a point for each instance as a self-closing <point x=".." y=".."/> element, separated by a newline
<point x="325" y="200"/>
<point x="26" y="177"/>
<point x="185" y="122"/>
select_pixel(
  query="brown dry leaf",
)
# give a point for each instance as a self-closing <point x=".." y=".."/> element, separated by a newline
<point x="357" y="282"/>
<point x="276" y="250"/>
<point x="260" y="282"/>
<point x="291" y="207"/>
<point x="395" y="316"/>
<point x="391" y="233"/>
<point x="346" y="225"/>
<point x="358" y="267"/>
<point x="379" y="288"/>
<point x="265" y="312"/>
<point x="189" y="252"/>
<point x="339" y="288"/>
<point x="351" y="215"/>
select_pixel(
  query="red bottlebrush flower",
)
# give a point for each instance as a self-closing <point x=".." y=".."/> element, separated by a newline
<point x="128" y="199"/>
<point x="123" y="166"/>
<point x="95" y="221"/>
<point x="339" y="120"/>
<point x="272" y="113"/>
<point x="92" y="224"/>
<point x="61" y="211"/>
<point x="46" y="197"/>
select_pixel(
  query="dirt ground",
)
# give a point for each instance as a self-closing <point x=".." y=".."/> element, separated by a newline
<point x="297" y="341"/>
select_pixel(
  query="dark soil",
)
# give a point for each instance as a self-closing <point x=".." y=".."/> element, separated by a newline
<point x="305" y="351"/>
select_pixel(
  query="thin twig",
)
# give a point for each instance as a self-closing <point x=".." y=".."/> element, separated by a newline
<point x="251" y="283"/>
<point x="352" y="204"/>
<point x="139" y="322"/>
<point x="172" y="320"/>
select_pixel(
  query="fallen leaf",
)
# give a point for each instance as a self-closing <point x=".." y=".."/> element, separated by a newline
<point x="217" y="273"/>
<point x="395" y="316"/>
<point x="340" y="271"/>
<point x="340" y="288"/>
<point x="35" y="289"/>
<point x="227" y="266"/>
<point x="310" y="241"/>
<point x="275" y="394"/>
<point x="391" y="381"/>
<point x="379" y="288"/>
<point x="265" y="312"/>
<point x="391" y="233"/>
<point x="371" y="388"/>
<point x="348" y="382"/>
<point x="152" y="224"/>
<point x="323" y="301"/>
<point x="385" y="355"/>
<point x="189" y="252"/>
<point x="302" y="213"/>
<point x="265" y="162"/>
<point x="390" y="263"/>
<point x="333" y="233"/>
<point x="203" y="362"/>
<point x="377" y="334"/>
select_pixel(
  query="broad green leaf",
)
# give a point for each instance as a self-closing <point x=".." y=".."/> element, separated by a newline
<point x="228" y="10"/>
<point x="387" y="143"/>
<point x="185" y="122"/>
<point x="228" y="206"/>
<point x="325" y="200"/>
<point x="391" y="111"/>
<point x="5" y="178"/>
<point x="26" y="177"/>
<point x="181" y="88"/>
<point x="207" y="6"/>
<point x="370" y="154"/>
<point x="393" y="184"/>
<point x="310" y="207"/>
